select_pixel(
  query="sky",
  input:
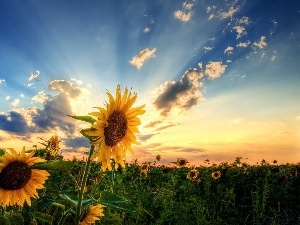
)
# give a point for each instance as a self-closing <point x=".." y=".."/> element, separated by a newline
<point x="220" y="79"/>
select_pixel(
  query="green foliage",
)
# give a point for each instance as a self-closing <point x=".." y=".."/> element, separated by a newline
<point x="109" y="199"/>
<point x="56" y="165"/>
<point x="88" y="119"/>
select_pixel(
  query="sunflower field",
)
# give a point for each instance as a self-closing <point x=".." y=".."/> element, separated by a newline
<point x="37" y="186"/>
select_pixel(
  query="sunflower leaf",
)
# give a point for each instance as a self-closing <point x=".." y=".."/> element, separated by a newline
<point x="88" y="119"/>
<point x="43" y="217"/>
<point x="68" y="199"/>
<point x="112" y="200"/>
<point x="85" y="135"/>
<point x="55" y="165"/>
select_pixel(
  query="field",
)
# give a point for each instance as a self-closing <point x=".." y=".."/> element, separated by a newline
<point x="228" y="193"/>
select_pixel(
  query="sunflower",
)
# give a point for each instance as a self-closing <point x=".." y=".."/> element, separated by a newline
<point x="18" y="183"/>
<point x="92" y="214"/>
<point x="216" y="175"/>
<point x="113" y="131"/>
<point x="144" y="168"/>
<point x="158" y="157"/>
<point x="181" y="162"/>
<point x="53" y="145"/>
<point x="192" y="174"/>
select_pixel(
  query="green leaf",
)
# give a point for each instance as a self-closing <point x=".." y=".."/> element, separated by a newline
<point x="85" y="135"/>
<point x="16" y="219"/>
<point x="88" y="119"/>
<point x="68" y="199"/>
<point x="4" y="220"/>
<point x="43" y="217"/>
<point x="55" y="165"/>
<point x="112" y="200"/>
<point x="87" y="202"/>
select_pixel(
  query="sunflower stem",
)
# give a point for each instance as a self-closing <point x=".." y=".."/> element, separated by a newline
<point x="83" y="184"/>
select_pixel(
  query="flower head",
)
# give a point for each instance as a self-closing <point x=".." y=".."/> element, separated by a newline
<point x="115" y="127"/>
<point x="18" y="182"/>
<point x="181" y="162"/>
<point x="92" y="214"/>
<point x="216" y="175"/>
<point x="158" y="157"/>
<point x="144" y="168"/>
<point x="192" y="174"/>
<point x="53" y="145"/>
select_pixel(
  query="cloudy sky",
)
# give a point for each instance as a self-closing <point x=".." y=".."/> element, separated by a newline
<point x="220" y="79"/>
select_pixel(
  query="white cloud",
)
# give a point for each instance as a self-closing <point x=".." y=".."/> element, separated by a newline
<point x="22" y="95"/>
<point x="139" y="60"/>
<point x="244" y="20"/>
<point x="273" y="57"/>
<point x="243" y="44"/>
<point x="15" y="103"/>
<point x="229" y="13"/>
<point x="34" y="76"/>
<point x="185" y="17"/>
<point x="30" y="84"/>
<point x="7" y="98"/>
<point x="146" y="30"/>
<point x="214" y="69"/>
<point x="207" y="49"/>
<point x="228" y="50"/>
<point x="187" y="6"/>
<point x="211" y="16"/>
<point x="66" y="87"/>
<point x="240" y="30"/>
<point x="41" y="97"/>
<point x="185" y="14"/>
<point x="261" y="43"/>
<point x="2" y="81"/>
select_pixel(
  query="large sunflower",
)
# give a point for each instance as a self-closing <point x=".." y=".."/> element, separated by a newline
<point x="92" y="214"/>
<point x="18" y="183"/>
<point x="115" y="127"/>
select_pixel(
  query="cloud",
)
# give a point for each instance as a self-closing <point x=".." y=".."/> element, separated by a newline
<point x="41" y="97"/>
<point x="2" y="81"/>
<point x="53" y="115"/>
<point x="261" y="43"/>
<point x="244" y="20"/>
<point x="207" y="49"/>
<point x="145" y="137"/>
<point x="185" y="14"/>
<point x="139" y="60"/>
<point x="34" y="76"/>
<point x="66" y="87"/>
<point x="182" y="94"/>
<point x="166" y="126"/>
<point x="240" y="30"/>
<point x="7" y="98"/>
<point x="77" y="142"/>
<point x="229" y="13"/>
<point x="228" y="50"/>
<point x="214" y="69"/>
<point x="15" y="103"/>
<point x="153" y="123"/>
<point x="146" y="30"/>
<point x="13" y="122"/>
<point x="243" y="44"/>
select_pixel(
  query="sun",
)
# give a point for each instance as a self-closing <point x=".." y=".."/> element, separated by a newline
<point x="115" y="128"/>
<point x="18" y="182"/>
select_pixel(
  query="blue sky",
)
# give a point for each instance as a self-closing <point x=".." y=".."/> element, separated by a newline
<point x="220" y="79"/>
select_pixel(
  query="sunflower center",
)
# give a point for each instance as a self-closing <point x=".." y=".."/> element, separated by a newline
<point x="116" y="129"/>
<point x="15" y="176"/>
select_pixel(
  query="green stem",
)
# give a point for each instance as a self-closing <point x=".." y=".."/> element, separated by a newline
<point x="83" y="184"/>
